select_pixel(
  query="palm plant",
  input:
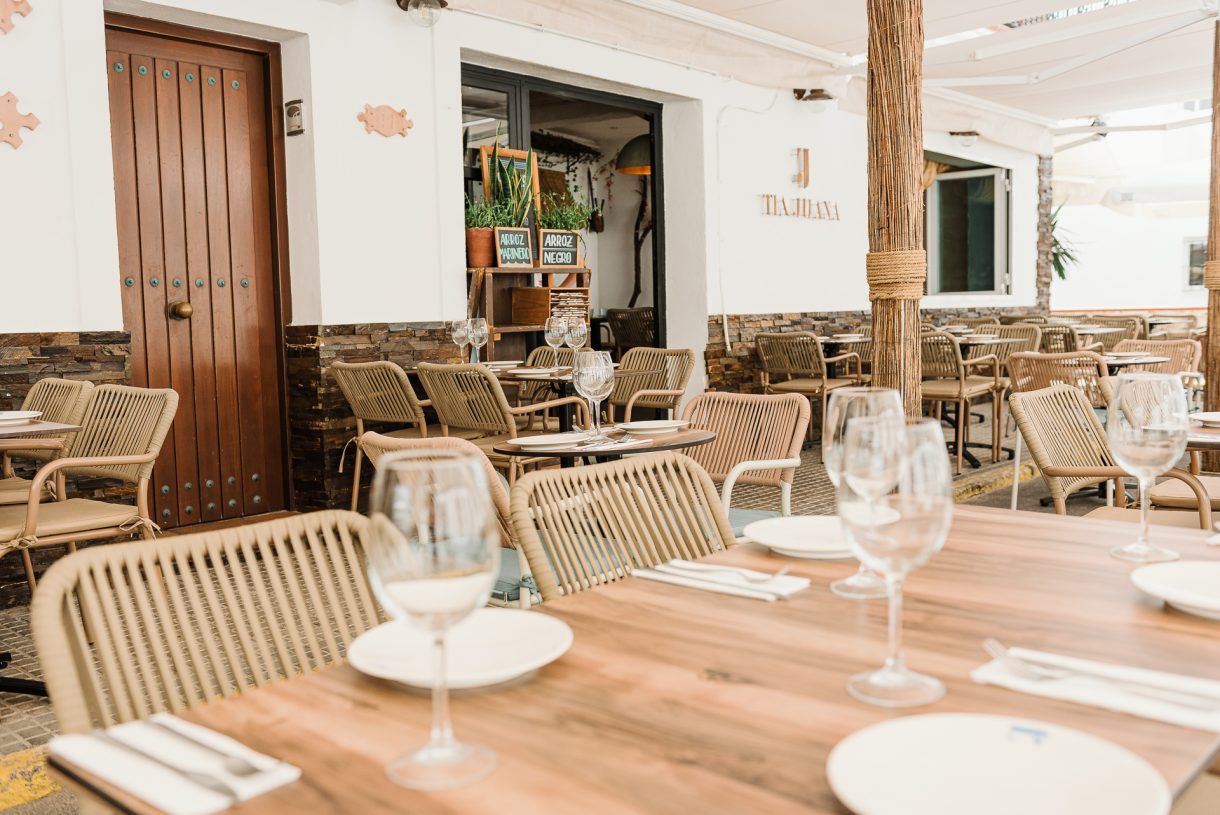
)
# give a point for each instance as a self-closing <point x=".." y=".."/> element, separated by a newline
<point x="1063" y="253"/>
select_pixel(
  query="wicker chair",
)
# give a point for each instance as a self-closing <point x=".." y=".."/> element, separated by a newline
<point x="514" y="571"/>
<point x="59" y="400"/>
<point x="1183" y="355"/>
<point x="662" y="390"/>
<point x="541" y="357"/>
<point x="1133" y="328"/>
<point x="1069" y="445"/>
<point x="863" y="349"/>
<point x="975" y="322"/>
<point x="1183" y="328"/>
<point x="586" y="526"/>
<point x="121" y="436"/>
<point x="793" y="362"/>
<point x="758" y="442"/>
<point x="469" y="398"/>
<point x="188" y="619"/>
<point x="1030" y="337"/>
<point x="1031" y="319"/>
<point x="1063" y="339"/>
<point x="632" y="328"/>
<point x="950" y="379"/>
<point x="1031" y="371"/>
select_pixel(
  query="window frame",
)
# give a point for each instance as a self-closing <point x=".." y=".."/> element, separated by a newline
<point x="1002" y="280"/>
<point x="1187" y="243"/>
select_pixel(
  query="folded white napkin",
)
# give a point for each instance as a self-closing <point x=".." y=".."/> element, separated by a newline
<point x="1106" y="690"/>
<point x="720" y="579"/>
<point x="160" y="786"/>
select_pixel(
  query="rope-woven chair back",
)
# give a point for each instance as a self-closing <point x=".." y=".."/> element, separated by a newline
<point x="378" y="392"/>
<point x="672" y="367"/>
<point x="1132" y="329"/>
<point x="940" y="355"/>
<point x="1032" y="319"/>
<point x="748" y="427"/>
<point x="586" y="526"/>
<point x="791" y="354"/>
<point x="123" y="421"/>
<point x="1083" y="370"/>
<point x="1183" y="355"/>
<point x="633" y="327"/>
<point x="975" y="322"/>
<point x="1059" y="339"/>
<point x="1030" y="337"/>
<point x="467" y="397"/>
<point x="184" y="620"/>
<point x="376" y="446"/>
<point x="1061" y="430"/>
<point x="59" y="400"/>
<point x="544" y="356"/>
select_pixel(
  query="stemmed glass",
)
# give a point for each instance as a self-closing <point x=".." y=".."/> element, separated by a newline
<point x="478" y="337"/>
<point x="1147" y="423"/>
<point x="576" y="334"/>
<point x="459" y="331"/>
<point x="846" y="404"/>
<point x="433" y="553"/>
<point x="555" y="331"/>
<point x="895" y="532"/>
<point x="593" y="376"/>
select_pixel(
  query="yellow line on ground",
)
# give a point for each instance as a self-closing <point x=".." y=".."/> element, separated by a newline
<point x="24" y="777"/>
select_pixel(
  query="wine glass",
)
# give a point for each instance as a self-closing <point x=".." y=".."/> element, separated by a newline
<point x="459" y="331"/>
<point x="1147" y="423"/>
<point x="478" y="337"/>
<point x="577" y="333"/>
<point x="1194" y="384"/>
<point x="555" y="331"/>
<point x="593" y="376"/>
<point x="895" y="532"/>
<point x="433" y="554"/>
<point x="846" y="404"/>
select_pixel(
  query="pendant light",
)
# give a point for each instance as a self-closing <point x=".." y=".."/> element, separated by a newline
<point x="636" y="157"/>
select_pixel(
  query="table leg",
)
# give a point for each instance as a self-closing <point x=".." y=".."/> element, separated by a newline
<point x="9" y="684"/>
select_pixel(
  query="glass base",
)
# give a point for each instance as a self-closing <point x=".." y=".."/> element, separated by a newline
<point x="889" y="688"/>
<point x="433" y="768"/>
<point x="1143" y="553"/>
<point x="863" y="585"/>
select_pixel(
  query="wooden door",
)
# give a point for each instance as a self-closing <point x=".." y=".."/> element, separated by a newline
<point x="193" y="182"/>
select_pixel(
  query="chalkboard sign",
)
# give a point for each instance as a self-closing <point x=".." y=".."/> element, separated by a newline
<point x="558" y="249"/>
<point x="514" y="249"/>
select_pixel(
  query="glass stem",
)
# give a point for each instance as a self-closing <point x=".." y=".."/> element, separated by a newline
<point x="593" y="417"/>
<point x="474" y="353"/>
<point x="1145" y="487"/>
<point x="441" y="737"/>
<point x="893" y="662"/>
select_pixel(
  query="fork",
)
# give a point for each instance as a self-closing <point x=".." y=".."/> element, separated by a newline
<point x="705" y="569"/>
<point x="1040" y="673"/>
<point x="235" y="765"/>
<point x="202" y="779"/>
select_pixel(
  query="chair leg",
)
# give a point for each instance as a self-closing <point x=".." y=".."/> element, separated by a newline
<point x="785" y="499"/>
<point x="356" y="479"/>
<point x="960" y="434"/>
<point x="1016" y="472"/>
<point x="28" y="564"/>
<point x="1060" y="505"/>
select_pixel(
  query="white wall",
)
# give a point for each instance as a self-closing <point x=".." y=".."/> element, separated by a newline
<point x="1126" y="261"/>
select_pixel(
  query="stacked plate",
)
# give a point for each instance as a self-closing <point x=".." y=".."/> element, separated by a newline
<point x="1207" y="419"/>
<point x="550" y="441"/>
<point x="849" y="337"/>
<point x="491" y="646"/>
<point x="1127" y="354"/>
<point x="805" y="536"/>
<point x="1192" y="586"/>
<point x="653" y="427"/>
<point x="16" y="418"/>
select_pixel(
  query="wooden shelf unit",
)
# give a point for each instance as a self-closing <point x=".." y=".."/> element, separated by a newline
<point x="490" y="295"/>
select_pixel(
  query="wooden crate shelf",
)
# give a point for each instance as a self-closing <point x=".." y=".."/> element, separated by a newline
<point x="492" y="293"/>
<point x="534" y="304"/>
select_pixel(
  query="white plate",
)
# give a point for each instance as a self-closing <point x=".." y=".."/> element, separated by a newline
<point x="550" y="440"/>
<point x="547" y="371"/>
<point x="491" y="646"/>
<point x="849" y="336"/>
<point x="1192" y="586"/>
<point x="653" y="427"/>
<point x="12" y="418"/>
<point x="503" y="363"/>
<point x="1207" y="418"/>
<point x="1127" y="354"/>
<point x="806" y="536"/>
<point x="971" y="764"/>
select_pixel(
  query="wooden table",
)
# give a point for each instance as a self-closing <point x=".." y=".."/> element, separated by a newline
<point x="1116" y="364"/>
<point x="560" y="381"/>
<point x="691" y="437"/>
<point x="676" y="700"/>
<point x="1096" y="329"/>
<point x="1203" y="438"/>
<point x="16" y="437"/>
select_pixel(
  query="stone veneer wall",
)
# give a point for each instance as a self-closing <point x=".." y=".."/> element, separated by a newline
<point x="98" y="356"/>
<point x="320" y="421"/>
<point x="1046" y="208"/>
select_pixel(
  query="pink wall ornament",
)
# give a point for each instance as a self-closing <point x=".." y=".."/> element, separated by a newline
<point x="10" y="7"/>
<point x="385" y="120"/>
<point x="11" y="121"/>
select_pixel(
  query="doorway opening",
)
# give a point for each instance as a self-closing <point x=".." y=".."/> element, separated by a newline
<point x="583" y="141"/>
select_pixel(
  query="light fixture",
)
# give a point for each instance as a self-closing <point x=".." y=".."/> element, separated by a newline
<point x="966" y="138"/>
<point x="424" y="13"/>
<point x="636" y="157"/>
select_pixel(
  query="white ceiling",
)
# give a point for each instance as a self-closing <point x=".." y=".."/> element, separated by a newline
<point x="1173" y="67"/>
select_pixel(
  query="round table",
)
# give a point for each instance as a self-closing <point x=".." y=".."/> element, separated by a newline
<point x="679" y="440"/>
<point x="560" y="381"/>
<point x="1116" y="364"/>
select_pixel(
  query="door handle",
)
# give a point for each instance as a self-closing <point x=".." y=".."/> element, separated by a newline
<point x="181" y="311"/>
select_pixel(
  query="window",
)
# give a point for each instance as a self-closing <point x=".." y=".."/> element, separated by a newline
<point x="967" y="232"/>
<point x="1196" y="256"/>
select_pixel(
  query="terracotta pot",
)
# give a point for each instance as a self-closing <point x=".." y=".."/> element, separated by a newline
<point x="480" y="247"/>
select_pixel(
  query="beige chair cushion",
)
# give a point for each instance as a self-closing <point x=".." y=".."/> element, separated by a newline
<point x="1176" y="494"/>
<point x="1164" y="517"/>
<point x="14" y="490"/>
<point x="65" y="517"/>
<point x="808" y="386"/>
<point x="952" y="388"/>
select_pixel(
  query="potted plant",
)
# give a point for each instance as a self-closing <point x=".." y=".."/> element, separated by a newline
<point x="481" y="218"/>
<point x="512" y="189"/>
<point x="564" y="214"/>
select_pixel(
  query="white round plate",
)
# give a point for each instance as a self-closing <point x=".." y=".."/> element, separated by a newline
<point x="11" y="418"/>
<point x="653" y="427"/>
<point x="503" y="363"/>
<point x="849" y="336"/>
<point x="1192" y="586"/>
<point x="491" y="646"/>
<point x="1207" y="418"/>
<point x="805" y="536"/>
<point x="969" y="764"/>
<point x="1127" y="354"/>
<point x="550" y="439"/>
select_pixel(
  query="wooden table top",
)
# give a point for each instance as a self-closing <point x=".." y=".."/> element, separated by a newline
<point x="971" y="341"/>
<point x="35" y="428"/>
<point x="674" y="700"/>
<point x="669" y="441"/>
<point x="1096" y="329"/>
<point x="563" y="374"/>
<point x="1115" y="363"/>
<point x="1203" y="438"/>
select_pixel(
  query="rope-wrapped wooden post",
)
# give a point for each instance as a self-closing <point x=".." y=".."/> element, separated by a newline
<point x="1211" y="270"/>
<point x="897" y="265"/>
